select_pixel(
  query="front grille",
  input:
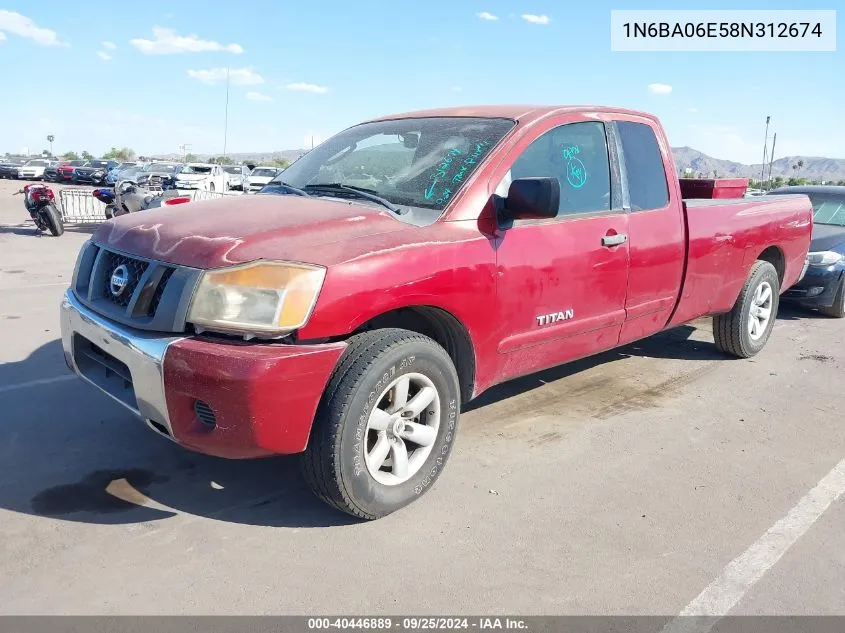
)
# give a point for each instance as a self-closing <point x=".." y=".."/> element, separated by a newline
<point x="136" y="268"/>
<point x="156" y="295"/>
<point x="159" y="291"/>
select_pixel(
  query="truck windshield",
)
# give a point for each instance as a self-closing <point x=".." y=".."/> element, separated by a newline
<point x="415" y="162"/>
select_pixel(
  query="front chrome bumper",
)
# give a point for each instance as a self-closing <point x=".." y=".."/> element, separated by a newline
<point x="125" y="364"/>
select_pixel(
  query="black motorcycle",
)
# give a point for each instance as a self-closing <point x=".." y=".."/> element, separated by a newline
<point x="40" y="201"/>
<point x="129" y="197"/>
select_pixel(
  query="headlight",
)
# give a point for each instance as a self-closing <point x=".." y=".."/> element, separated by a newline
<point x="824" y="258"/>
<point x="261" y="298"/>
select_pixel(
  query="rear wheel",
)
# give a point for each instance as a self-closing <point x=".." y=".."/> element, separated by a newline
<point x="386" y="424"/>
<point x="54" y="220"/>
<point x="837" y="310"/>
<point x="744" y="331"/>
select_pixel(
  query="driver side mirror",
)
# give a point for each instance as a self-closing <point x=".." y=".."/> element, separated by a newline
<point x="531" y="198"/>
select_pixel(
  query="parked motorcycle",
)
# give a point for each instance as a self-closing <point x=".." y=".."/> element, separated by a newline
<point x="40" y="201"/>
<point x="129" y="197"/>
<point x="107" y="197"/>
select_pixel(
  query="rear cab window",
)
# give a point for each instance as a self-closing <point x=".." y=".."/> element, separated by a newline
<point x="643" y="163"/>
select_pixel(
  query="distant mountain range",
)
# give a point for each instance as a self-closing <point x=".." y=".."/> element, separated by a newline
<point x="813" y="168"/>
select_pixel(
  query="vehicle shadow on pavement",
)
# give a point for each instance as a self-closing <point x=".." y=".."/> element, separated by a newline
<point x="70" y="453"/>
<point x="29" y="229"/>
<point x="676" y="344"/>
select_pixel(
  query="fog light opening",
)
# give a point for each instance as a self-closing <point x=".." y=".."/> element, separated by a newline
<point x="205" y="414"/>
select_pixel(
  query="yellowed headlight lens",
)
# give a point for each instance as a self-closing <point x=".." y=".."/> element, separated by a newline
<point x="263" y="297"/>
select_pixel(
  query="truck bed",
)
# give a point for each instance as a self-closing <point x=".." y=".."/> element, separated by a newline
<point x="723" y="241"/>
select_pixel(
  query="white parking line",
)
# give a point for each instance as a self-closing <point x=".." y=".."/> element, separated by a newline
<point x="35" y="383"/>
<point x="743" y="572"/>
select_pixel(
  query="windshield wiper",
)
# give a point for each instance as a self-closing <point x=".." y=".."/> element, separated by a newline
<point x="291" y="188"/>
<point x="366" y="194"/>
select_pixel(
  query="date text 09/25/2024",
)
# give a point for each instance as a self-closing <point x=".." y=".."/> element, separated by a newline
<point x="416" y="623"/>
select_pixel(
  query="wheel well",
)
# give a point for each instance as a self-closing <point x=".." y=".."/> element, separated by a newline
<point x="441" y="326"/>
<point x="774" y="256"/>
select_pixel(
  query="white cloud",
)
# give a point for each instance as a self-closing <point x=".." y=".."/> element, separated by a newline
<point x="168" y="42"/>
<point x="692" y="110"/>
<point x="110" y="46"/>
<point x="103" y="55"/>
<point x="304" y="87"/>
<point x="258" y="96"/>
<point x="2" y="36"/>
<point x="536" y="19"/>
<point x="457" y="89"/>
<point x="20" y="25"/>
<point x="659" y="89"/>
<point x="237" y="76"/>
<point x="486" y="15"/>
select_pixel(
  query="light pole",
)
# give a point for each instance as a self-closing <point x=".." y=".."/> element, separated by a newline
<point x="226" y="122"/>
<point x="772" y="157"/>
<point x="765" y="147"/>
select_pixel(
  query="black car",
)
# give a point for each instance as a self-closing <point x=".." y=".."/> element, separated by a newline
<point x="94" y="172"/>
<point x="9" y="169"/>
<point x="823" y="285"/>
<point x="51" y="173"/>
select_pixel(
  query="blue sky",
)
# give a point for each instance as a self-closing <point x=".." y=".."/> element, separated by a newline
<point x="148" y="74"/>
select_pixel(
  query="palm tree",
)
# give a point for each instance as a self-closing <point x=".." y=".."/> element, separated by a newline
<point x="50" y="139"/>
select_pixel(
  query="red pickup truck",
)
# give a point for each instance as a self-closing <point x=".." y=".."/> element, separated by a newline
<point x="403" y="267"/>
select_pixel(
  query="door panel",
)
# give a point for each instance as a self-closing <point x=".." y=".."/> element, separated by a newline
<point x="560" y="267"/>
<point x="562" y="282"/>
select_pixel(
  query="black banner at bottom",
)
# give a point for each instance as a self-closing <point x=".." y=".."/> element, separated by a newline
<point x="524" y="624"/>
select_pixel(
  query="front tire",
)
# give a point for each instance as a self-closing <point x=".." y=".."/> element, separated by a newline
<point x="744" y="331"/>
<point x="386" y="425"/>
<point x="837" y="310"/>
<point x="54" y="220"/>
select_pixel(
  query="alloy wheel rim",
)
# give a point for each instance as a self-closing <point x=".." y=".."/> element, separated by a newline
<point x="760" y="312"/>
<point x="402" y="429"/>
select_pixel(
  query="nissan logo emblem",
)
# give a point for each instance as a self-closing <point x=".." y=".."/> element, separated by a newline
<point x="119" y="279"/>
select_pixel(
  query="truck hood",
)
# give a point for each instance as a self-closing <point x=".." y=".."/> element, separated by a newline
<point x="224" y="232"/>
<point x="190" y="177"/>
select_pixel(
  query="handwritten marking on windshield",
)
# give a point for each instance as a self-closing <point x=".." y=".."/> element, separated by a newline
<point x="429" y="193"/>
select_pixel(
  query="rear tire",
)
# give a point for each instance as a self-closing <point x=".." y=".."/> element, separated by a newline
<point x="54" y="220"/>
<point x="367" y="419"/>
<point x="744" y="331"/>
<point x="837" y="310"/>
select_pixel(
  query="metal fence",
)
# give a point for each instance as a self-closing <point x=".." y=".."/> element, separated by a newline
<point x="78" y="206"/>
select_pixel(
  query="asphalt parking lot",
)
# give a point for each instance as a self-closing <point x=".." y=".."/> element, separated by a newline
<point x="657" y="479"/>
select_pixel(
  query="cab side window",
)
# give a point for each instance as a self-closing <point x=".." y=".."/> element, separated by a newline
<point x="647" y="184"/>
<point x="575" y="154"/>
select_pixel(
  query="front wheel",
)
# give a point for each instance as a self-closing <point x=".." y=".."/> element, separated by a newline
<point x="837" y="310"/>
<point x="386" y="425"/>
<point x="744" y="331"/>
<point x="53" y="220"/>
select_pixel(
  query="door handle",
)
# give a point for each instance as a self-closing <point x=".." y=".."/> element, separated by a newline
<point x="614" y="240"/>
